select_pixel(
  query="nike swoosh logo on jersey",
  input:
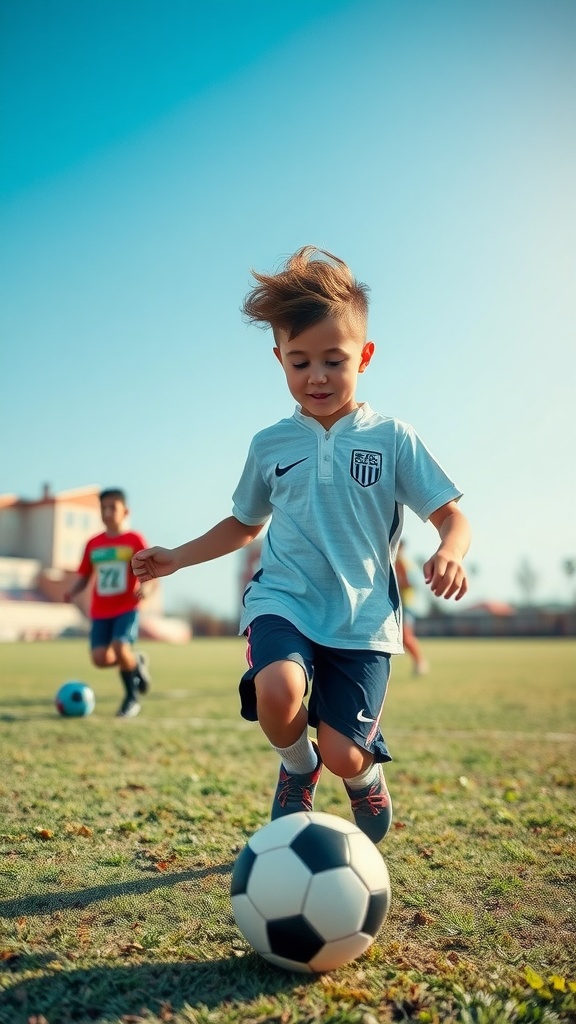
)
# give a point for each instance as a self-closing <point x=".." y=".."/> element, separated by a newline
<point x="362" y="717"/>
<point x="280" y="470"/>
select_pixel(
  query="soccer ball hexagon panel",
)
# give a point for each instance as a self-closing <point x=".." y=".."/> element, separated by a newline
<point x="310" y="892"/>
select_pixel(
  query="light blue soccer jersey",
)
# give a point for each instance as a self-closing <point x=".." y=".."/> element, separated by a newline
<point x="335" y="499"/>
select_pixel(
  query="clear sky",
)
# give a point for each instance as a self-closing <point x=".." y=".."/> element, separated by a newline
<point x="153" y="151"/>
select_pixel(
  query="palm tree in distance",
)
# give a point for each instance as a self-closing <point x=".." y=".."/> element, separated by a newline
<point x="527" y="580"/>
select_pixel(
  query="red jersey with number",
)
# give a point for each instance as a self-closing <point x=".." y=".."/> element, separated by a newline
<point x="108" y="559"/>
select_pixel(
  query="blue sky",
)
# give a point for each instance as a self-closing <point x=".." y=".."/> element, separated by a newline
<point x="154" y="152"/>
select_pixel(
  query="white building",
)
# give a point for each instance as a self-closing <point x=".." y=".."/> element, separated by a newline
<point x="52" y="529"/>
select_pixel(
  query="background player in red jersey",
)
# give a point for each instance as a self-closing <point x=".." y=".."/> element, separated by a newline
<point x="115" y="597"/>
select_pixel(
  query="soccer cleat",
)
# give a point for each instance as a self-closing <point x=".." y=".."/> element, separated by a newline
<point x="129" y="708"/>
<point x="144" y="677"/>
<point x="295" y="792"/>
<point x="372" y="808"/>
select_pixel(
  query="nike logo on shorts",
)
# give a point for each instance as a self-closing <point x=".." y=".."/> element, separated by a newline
<point x="284" y="469"/>
<point x="362" y="717"/>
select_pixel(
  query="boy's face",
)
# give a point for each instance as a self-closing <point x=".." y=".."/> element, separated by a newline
<point x="322" y="366"/>
<point x="113" y="512"/>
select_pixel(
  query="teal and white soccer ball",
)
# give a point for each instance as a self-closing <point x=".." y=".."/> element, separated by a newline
<point x="310" y="892"/>
<point x="75" y="700"/>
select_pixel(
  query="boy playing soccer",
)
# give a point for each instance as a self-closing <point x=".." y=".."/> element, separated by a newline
<point x="115" y="598"/>
<point x="322" y="615"/>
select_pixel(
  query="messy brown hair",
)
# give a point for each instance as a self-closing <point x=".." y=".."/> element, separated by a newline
<point x="114" y="492"/>
<point x="312" y="285"/>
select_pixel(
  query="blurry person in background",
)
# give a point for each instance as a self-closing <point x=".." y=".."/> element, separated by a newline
<point x="116" y="594"/>
<point x="404" y="574"/>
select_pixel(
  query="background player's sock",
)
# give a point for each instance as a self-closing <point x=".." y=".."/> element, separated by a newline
<point x="130" y="679"/>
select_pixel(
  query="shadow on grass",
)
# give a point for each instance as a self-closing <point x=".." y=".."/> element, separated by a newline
<point x="44" y="709"/>
<point x="41" y="716"/>
<point x="27" y="702"/>
<point x="47" y="903"/>
<point x="106" y="993"/>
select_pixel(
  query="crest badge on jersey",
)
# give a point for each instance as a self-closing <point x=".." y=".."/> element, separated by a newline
<point x="366" y="467"/>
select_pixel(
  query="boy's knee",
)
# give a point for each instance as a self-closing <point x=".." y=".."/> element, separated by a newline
<point x="340" y="754"/>
<point x="99" y="657"/>
<point x="123" y="654"/>
<point x="280" y="685"/>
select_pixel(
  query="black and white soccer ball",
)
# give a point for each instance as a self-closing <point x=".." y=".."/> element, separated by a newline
<point x="310" y="892"/>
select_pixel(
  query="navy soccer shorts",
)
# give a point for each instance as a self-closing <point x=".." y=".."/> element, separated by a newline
<point x="346" y="689"/>
<point x="120" y="627"/>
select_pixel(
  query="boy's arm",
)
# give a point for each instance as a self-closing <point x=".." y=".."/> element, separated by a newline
<point x="142" y="593"/>
<point x="227" y="536"/>
<point x="444" y="571"/>
<point x="77" y="587"/>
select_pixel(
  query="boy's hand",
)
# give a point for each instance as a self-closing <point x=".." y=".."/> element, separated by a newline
<point x="446" y="574"/>
<point x="444" y="571"/>
<point x="150" y="563"/>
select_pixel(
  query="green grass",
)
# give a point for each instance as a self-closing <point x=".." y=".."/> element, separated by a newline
<point x="117" y="840"/>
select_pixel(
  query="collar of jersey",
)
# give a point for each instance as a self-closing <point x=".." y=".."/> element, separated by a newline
<point x="361" y="413"/>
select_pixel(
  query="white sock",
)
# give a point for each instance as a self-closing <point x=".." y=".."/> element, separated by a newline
<point x="300" y="757"/>
<point x="368" y="777"/>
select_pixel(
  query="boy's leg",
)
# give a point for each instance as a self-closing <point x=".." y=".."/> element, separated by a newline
<point x="127" y="664"/>
<point x="272" y="693"/>
<point x="102" y="653"/>
<point x="363" y="780"/>
<point x="413" y="647"/>
<point x="103" y="657"/>
<point x="144" y="677"/>
<point x="125" y="630"/>
<point x="346" y="705"/>
<point x="280" y="689"/>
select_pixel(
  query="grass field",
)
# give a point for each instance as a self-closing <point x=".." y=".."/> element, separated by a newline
<point x="117" y="841"/>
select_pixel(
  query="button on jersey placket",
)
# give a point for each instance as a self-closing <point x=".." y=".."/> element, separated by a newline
<point x="326" y="456"/>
